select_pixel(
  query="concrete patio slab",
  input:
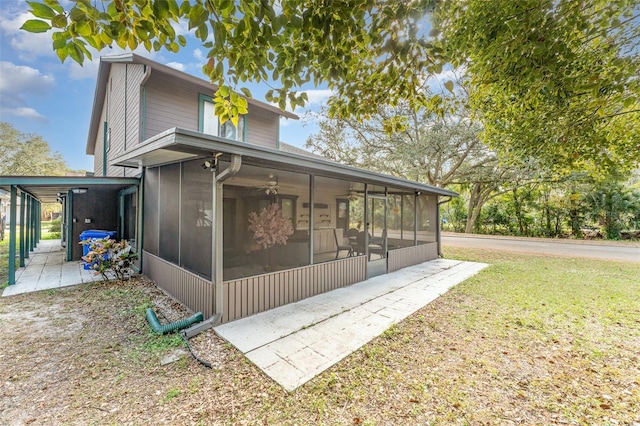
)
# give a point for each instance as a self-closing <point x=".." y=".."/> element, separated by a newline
<point x="294" y="343"/>
<point x="46" y="268"/>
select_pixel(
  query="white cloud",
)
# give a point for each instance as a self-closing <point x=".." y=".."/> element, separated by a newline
<point x="197" y="53"/>
<point x="29" y="46"/>
<point x="436" y="82"/>
<point x="318" y="96"/>
<point x="88" y="69"/>
<point x="20" y="80"/>
<point x="176" y="65"/>
<point x="24" y="112"/>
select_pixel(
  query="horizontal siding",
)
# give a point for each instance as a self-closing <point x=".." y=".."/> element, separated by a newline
<point x="169" y="104"/>
<point x="251" y="295"/>
<point x="195" y="292"/>
<point x="176" y="104"/>
<point x="408" y="256"/>
<point x="262" y="127"/>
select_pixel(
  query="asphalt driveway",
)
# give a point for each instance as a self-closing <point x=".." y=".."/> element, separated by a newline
<point x="610" y="250"/>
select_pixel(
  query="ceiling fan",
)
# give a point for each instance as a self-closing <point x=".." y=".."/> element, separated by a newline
<point x="270" y="187"/>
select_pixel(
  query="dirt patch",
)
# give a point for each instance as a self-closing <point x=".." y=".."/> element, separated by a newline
<point x="86" y="355"/>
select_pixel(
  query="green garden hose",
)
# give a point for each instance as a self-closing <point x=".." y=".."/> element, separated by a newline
<point x="152" y="319"/>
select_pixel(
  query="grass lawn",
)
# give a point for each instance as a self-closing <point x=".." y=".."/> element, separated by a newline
<point x="530" y="340"/>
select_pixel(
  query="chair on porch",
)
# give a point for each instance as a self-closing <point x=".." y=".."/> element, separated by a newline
<point x="342" y="247"/>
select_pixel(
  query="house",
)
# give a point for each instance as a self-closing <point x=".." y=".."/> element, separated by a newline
<point x="202" y="216"/>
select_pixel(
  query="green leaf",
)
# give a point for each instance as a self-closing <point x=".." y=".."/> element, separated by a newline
<point x="76" y="53"/>
<point x="63" y="53"/>
<point x="76" y="14"/>
<point x="59" y="21"/>
<point x="35" y="26"/>
<point x="246" y="92"/>
<point x="83" y="28"/>
<point x="40" y="10"/>
<point x="54" y="5"/>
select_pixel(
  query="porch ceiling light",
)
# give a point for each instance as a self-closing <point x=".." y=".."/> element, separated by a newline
<point x="79" y="190"/>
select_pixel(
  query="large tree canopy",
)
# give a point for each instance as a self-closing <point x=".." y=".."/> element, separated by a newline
<point x="554" y="79"/>
<point x="369" y="52"/>
<point x="24" y="154"/>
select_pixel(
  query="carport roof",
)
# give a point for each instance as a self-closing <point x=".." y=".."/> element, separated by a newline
<point x="46" y="188"/>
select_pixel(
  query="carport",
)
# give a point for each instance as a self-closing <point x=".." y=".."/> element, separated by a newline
<point x="87" y="202"/>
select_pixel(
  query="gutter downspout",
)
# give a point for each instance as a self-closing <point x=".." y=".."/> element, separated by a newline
<point x="438" y="230"/>
<point x="218" y="182"/>
<point x="216" y="245"/>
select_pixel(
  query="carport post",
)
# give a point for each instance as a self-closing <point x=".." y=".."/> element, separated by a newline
<point x="12" y="235"/>
<point x="37" y="222"/>
<point x="23" y="216"/>
<point x="27" y="226"/>
<point x="69" y="225"/>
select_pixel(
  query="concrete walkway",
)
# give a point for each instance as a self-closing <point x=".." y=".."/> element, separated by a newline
<point x="294" y="343"/>
<point x="47" y="268"/>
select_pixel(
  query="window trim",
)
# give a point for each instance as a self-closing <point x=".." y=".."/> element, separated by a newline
<point x="202" y="98"/>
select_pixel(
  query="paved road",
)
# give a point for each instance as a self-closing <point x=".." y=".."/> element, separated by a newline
<point x="604" y="250"/>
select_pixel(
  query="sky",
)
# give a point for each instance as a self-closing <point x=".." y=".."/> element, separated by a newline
<point x="41" y="95"/>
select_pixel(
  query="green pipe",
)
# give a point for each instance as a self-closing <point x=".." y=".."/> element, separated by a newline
<point x="152" y="319"/>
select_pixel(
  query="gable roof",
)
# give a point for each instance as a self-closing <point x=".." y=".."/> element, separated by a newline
<point x="131" y="58"/>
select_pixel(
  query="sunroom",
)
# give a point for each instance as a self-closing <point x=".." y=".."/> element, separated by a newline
<point x="233" y="229"/>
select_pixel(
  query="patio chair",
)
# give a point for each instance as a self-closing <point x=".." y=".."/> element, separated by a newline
<point x="343" y="246"/>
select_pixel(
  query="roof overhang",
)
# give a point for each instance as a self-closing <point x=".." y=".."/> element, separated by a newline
<point x="131" y="58"/>
<point x="46" y="189"/>
<point x="179" y="144"/>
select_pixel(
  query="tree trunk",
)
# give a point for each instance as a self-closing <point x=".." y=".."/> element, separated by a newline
<point x="518" y="208"/>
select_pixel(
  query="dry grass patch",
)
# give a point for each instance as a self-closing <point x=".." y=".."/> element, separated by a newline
<point x="530" y="340"/>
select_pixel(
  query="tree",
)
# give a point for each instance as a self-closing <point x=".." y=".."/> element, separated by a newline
<point x="438" y="150"/>
<point x="370" y="52"/>
<point x="552" y="79"/>
<point x="24" y="154"/>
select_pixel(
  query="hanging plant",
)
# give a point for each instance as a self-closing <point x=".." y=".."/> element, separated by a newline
<point x="269" y="227"/>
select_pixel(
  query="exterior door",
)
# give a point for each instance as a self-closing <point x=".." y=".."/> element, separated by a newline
<point x="376" y="235"/>
<point x="128" y="219"/>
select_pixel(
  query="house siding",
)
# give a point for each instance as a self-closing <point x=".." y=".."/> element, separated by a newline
<point x="262" y="127"/>
<point x="169" y="103"/>
<point x="197" y="293"/>
<point x="122" y="112"/>
<point x="98" y="155"/>
<point x="410" y="256"/>
<point x="251" y="295"/>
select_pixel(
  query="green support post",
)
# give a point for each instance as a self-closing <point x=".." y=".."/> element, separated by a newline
<point x="23" y="217"/>
<point x="36" y="218"/>
<point x="12" y="235"/>
<point x="27" y="226"/>
<point x="69" y="225"/>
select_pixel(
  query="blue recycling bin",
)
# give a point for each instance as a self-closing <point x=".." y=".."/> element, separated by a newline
<point x="94" y="234"/>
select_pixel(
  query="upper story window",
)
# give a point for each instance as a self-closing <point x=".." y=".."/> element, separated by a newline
<point x="209" y="124"/>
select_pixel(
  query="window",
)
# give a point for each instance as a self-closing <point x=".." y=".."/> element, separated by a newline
<point x="209" y="124"/>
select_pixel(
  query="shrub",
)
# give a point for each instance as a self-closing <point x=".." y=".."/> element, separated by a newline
<point x="110" y="256"/>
